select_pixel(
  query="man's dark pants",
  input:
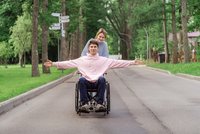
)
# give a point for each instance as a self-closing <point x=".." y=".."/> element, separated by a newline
<point x="100" y="85"/>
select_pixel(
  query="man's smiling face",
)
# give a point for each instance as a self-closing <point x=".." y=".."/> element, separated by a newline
<point x="93" y="49"/>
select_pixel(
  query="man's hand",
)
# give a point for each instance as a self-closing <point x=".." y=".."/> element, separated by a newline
<point x="137" y="62"/>
<point x="48" y="63"/>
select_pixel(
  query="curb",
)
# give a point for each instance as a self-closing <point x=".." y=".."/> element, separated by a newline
<point x="5" y="106"/>
<point x="188" y="76"/>
<point x="160" y="70"/>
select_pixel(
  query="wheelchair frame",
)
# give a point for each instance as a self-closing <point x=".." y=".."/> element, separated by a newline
<point x="92" y="104"/>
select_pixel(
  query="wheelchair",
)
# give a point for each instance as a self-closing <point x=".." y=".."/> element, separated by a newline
<point x="92" y="103"/>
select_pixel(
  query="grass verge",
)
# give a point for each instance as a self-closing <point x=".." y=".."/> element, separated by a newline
<point x="185" y="68"/>
<point x="15" y="80"/>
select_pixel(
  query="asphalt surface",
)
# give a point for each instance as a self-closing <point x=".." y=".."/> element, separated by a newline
<point x="143" y="101"/>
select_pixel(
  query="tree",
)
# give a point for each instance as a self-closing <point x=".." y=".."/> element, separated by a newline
<point x="21" y="36"/>
<point x="118" y="15"/>
<point x="175" y="41"/>
<point x="194" y="14"/>
<point x="94" y="16"/>
<point x="165" y="34"/>
<point x="35" y="69"/>
<point x="141" y="20"/>
<point x="73" y="33"/>
<point x="44" y="38"/>
<point x="184" y="19"/>
<point x="9" y="10"/>
<point x="5" y="52"/>
<point x="63" y="48"/>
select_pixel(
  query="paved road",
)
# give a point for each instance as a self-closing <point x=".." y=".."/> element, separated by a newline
<point x="143" y="101"/>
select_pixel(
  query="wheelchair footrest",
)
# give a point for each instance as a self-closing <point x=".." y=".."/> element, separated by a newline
<point x="101" y="110"/>
<point x="84" y="111"/>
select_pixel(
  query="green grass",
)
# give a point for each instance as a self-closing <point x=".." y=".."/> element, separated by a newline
<point x="15" y="80"/>
<point x="185" y="68"/>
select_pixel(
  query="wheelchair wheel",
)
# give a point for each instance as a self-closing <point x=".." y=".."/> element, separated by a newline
<point x="108" y="97"/>
<point x="77" y="105"/>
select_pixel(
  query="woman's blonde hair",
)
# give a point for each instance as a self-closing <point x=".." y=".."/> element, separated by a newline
<point x="101" y="30"/>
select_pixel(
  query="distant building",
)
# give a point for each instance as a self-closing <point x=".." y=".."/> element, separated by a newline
<point x="192" y="38"/>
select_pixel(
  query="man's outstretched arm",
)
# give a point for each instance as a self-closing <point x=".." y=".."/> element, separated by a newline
<point x="62" y="64"/>
<point x="123" y="63"/>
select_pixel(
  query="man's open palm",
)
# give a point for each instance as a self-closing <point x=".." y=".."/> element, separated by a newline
<point x="48" y="63"/>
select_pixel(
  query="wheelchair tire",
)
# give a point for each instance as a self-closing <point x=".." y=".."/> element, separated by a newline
<point x="108" y="96"/>
<point x="77" y="98"/>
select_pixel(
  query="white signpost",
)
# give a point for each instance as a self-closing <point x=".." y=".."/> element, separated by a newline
<point x="55" y="26"/>
<point x="64" y="19"/>
<point x="56" y="14"/>
<point x="59" y="26"/>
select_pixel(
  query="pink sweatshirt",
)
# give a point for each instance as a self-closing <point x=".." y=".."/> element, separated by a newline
<point x="92" y="67"/>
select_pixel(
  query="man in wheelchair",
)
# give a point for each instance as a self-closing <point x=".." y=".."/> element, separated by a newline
<point x="100" y="86"/>
<point x="92" y="67"/>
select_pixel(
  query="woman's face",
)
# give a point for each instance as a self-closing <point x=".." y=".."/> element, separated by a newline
<point x="101" y="37"/>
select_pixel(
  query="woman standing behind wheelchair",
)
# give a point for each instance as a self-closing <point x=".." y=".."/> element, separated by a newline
<point x="103" y="47"/>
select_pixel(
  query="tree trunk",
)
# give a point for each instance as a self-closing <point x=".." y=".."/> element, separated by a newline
<point x="76" y="44"/>
<point x="24" y="59"/>
<point x="68" y="47"/>
<point x="81" y="31"/>
<point x="63" y="48"/>
<point x="123" y="48"/>
<point x="20" y="59"/>
<point x="44" y="39"/>
<point x="71" y="46"/>
<point x="184" y="19"/>
<point x="128" y="39"/>
<point x="35" y="69"/>
<point x="165" y="34"/>
<point x="175" y="41"/>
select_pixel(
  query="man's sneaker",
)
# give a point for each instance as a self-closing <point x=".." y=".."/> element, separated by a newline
<point x="85" y="108"/>
<point x="100" y="108"/>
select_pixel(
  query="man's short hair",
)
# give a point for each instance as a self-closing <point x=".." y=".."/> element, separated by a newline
<point x="93" y="41"/>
